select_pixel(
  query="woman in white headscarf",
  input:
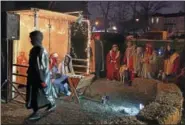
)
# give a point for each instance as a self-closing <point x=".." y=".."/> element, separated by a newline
<point x="66" y="67"/>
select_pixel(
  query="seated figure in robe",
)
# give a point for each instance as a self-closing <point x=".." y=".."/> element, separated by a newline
<point x="59" y="80"/>
<point x="66" y="67"/>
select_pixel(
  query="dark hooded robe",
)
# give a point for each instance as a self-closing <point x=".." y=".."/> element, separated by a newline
<point x="99" y="62"/>
<point x="38" y="72"/>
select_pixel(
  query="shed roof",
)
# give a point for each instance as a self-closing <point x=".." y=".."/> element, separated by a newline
<point x="47" y="14"/>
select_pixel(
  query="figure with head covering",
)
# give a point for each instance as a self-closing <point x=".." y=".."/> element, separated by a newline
<point x="129" y="58"/>
<point x="22" y="60"/>
<point x="98" y="54"/>
<point x="40" y="92"/>
<point x="66" y="66"/>
<point x="171" y="61"/>
<point x="113" y="63"/>
<point x="154" y="64"/>
<point x="147" y="67"/>
<point x="138" y="61"/>
<point x="59" y="80"/>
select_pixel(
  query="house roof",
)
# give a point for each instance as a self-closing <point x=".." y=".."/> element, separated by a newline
<point x="169" y="15"/>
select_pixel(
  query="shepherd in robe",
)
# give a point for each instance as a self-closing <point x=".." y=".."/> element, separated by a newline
<point x="138" y="61"/>
<point x="113" y="64"/>
<point x="40" y="92"/>
<point x="98" y="55"/>
<point x="147" y="67"/>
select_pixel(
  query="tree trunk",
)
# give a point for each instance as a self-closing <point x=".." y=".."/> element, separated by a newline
<point x="105" y="24"/>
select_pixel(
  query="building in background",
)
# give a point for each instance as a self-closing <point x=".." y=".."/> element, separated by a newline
<point x="173" y="23"/>
<point x="98" y="25"/>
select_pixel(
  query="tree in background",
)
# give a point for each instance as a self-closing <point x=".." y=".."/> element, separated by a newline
<point x="148" y="8"/>
<point x="105" y="8"/>
<point x="122" y="12"/>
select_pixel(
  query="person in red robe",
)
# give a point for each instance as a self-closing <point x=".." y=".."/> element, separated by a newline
<point x="113" y="63"/>
<point x="22" y="60"/>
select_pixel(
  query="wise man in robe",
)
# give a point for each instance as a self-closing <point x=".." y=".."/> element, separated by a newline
<point x="40" y="92"/>
<point x="147" y="67"/>
<point x="113" y="63"/>
<point x="171" y="61"/>
<point x="129" y="58"/>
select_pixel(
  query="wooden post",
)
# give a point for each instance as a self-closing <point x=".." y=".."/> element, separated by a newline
<point x="35" y="18"/>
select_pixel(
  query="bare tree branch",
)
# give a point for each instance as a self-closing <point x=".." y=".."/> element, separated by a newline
<point x="150" y="7"/>
<point x="105" y="9"/>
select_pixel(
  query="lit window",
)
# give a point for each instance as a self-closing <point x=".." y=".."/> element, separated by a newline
<point x="152" y="20"/>
<point x="157" y="20"/>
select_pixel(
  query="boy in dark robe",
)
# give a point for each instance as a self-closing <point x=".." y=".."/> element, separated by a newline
<point x="40" y="91"/>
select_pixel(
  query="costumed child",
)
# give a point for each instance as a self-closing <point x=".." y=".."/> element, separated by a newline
<point x="113" y="63"/>
<point x="129" y="59"/>
<point x="153" y="63"/>
<point x="147" y="67"/>
<point x="138" y="61"/>
<point x="59" y="80"/>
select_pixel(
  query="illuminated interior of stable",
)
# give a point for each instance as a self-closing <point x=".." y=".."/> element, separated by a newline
<point x="55" y="28"/>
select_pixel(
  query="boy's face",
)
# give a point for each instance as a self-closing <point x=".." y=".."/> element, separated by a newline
<point x="114" y="48"/>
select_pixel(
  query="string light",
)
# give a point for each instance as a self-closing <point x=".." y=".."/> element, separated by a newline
<point x="88" y="45"/>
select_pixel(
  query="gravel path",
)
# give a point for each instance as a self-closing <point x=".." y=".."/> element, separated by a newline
<point x="123" y="100"/>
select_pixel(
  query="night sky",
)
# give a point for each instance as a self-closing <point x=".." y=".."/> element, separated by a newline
<point x="175" y="7"/>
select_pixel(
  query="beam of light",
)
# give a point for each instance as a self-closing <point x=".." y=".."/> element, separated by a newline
<point x="130" y="110"/>
<point x="141" y="106"/>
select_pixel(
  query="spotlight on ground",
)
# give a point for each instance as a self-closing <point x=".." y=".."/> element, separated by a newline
<point x="114" y="28"/>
